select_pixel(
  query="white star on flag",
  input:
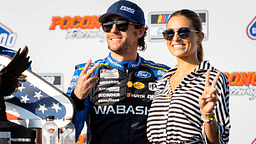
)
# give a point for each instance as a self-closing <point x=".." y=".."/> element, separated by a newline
<point x="24" y="99"/>
<point x="56" y="107"/>
<point x="21" y="88"/>
<point x="42" y="108"/>
<point x="38" y="95"/>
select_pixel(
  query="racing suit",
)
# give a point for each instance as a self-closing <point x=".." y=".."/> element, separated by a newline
<point x="116" y="108"/>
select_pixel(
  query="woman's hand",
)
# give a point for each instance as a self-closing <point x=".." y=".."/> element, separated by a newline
<point x="209" y="98"/>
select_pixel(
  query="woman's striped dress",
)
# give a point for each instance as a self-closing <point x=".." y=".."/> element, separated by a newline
<point x="177" y="118"/>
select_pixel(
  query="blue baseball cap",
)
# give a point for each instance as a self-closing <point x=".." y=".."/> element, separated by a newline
<point x="126" y="9"/>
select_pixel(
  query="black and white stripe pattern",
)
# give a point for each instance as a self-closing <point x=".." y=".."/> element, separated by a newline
<point x="177" y="118"/>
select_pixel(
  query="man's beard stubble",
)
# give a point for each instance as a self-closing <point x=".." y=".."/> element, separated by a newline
<point x="123" y="49"/>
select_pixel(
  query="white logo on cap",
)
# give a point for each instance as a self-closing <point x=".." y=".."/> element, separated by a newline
<point x="128" y="9"/>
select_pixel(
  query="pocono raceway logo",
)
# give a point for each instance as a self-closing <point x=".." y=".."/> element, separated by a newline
<point x="242" y="84"/>
<point x="251" y="29"/>
<point x="79" y="27"/>
<point x="7" y="37"/>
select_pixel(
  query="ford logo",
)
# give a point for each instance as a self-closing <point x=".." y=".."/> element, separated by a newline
<point x="143" y="74"/>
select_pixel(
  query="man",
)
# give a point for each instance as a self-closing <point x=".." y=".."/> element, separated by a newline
<point x="114" y="96"/>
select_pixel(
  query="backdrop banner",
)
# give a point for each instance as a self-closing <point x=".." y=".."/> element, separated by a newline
<point x="62" y="34"/>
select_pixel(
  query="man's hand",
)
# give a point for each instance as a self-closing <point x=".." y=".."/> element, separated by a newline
<point x="85" y="81"/>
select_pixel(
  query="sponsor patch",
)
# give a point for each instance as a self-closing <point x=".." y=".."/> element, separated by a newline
<point x="109" y="74"/>
<point x="142" y="74"/>
<point x="152" y="86"/>
<point x="109" y="95"/>
<point x="109" y="82"/>
<point x="129" y="84"/>
<point x="139" y="85"/>
<point x="150" y="97"/>
<point x="110" y="89"/>
<point x="137" y="96"/>
<point x="108" y="100"/>
<point x="121" y="109"/>
<point x="160" y="72"/>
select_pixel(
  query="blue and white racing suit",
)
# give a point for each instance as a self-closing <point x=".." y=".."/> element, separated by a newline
<point x="116" y="108"/>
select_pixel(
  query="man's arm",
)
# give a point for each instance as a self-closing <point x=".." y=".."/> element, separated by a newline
<point x="83" y="82"/>
<point x="86" y="81"/>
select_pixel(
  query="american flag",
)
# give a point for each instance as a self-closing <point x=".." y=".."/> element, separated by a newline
<point x="35" y="99"/>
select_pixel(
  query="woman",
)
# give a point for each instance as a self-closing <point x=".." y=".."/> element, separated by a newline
<point x="191" y="104"/>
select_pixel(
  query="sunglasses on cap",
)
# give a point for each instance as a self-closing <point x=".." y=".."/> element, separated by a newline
<point x="121" y="25"/>
<point x="182" y="32"/>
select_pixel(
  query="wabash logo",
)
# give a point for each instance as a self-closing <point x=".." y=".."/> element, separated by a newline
<point x="7" y="37"/>
<point x="121" y="109"/>
<point x="243" y="84"/>
<point x="78" y="27"/>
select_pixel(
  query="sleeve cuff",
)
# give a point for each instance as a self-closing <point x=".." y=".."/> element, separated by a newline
<point x="79" y="103"/>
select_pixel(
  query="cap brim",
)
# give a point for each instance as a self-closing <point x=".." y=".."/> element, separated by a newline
<point x="104" y="17"/>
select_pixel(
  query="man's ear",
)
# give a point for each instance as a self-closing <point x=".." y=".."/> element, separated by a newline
<point x="141" y="32"/>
